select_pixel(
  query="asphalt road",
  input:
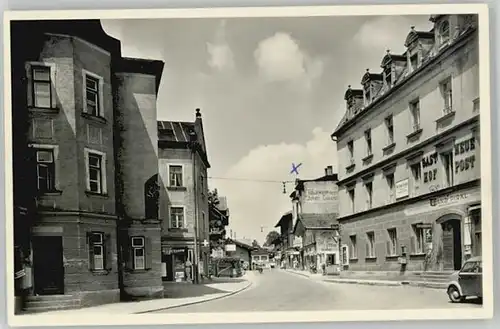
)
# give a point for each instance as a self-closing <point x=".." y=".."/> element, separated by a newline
<point x="277" y="290"/>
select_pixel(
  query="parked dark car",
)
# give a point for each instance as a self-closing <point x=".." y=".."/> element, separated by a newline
<point x="467" y="282"/>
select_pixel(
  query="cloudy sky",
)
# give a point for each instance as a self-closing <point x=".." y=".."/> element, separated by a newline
<point x="270" y="91"/>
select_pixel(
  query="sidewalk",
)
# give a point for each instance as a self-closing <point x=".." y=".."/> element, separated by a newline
<point x="374" y="281"/>
<point x="218" y="288"/>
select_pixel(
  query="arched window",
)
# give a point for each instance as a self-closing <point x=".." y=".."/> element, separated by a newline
<point x="444" y="32"/>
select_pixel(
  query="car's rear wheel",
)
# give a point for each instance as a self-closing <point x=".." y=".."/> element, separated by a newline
<point x="454" y="295"/>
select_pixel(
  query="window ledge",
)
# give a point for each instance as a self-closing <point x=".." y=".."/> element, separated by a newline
<point x="446" y="116"/>
<point x="368" y="157"/>
<point x="100" y="272"/>
<point x="45" y="110"/>
<point x="392" y="257"/>
<point x="371" y="258"/>
<point x="50" y="193"/>
<point x="176" y="188"/>
<point x="350" y="167"/>
<point x="132" y="271"/>
<point x="389" y="147"/>
<point x="353" y="259"/>
<point x="94" y="118"/>
<point x="172" y="229"/>
<point x="97" y="194"/>
<point x="418" y="254"/>
<point x="414" y="134"/>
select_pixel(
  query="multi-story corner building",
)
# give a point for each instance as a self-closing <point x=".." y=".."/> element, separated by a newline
<point x="409" y="160"/>
<point x="84" y="149"/>
<point x="315" y="210"/>
<point x="183" y="165"/>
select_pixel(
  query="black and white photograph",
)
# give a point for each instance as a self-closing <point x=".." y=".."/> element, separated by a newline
<point x="246" y="165"/>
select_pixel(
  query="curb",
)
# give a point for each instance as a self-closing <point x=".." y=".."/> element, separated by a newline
<point x="431" y="285"/>
<point x="198" y="301"/>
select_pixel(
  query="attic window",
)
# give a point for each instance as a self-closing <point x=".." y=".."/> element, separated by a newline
<point x="414" y="62"/>
<point x="367" y="90"/>
<point x="444" y="33"/>
<point x="388" y="76"/>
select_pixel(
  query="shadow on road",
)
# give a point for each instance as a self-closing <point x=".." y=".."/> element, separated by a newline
<point x="185" y="290"/>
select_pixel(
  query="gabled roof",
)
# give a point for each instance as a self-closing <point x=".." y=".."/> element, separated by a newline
<point x="287" y="215"/>
<point x="371" y="76"/>
<point x="388" y="58"/>
<point x="414" y="35"/>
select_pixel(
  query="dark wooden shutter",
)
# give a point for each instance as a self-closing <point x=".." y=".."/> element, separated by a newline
<point x="388" y="248"/>
<point x="108" y="252"/>
<point x="413" y="245"/>
<point x="90" y="250"/>
<point x="148" y="253"/>
<point x="127" y="252"/>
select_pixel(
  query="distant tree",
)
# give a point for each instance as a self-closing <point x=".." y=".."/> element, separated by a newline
<point x="255" y="244"/>
<point x="271" y="236"/>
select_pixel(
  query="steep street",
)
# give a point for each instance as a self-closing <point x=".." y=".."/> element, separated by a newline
<point x="277" y="290"/>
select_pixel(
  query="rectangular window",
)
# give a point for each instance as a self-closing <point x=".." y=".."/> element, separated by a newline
<point x="447" y="160"/>
<point x="351" y="199"/>
<point x="390" y="129"/>
<point x="138" y="252"/>
<point x="368" y="139"/>
<point x="415" y="114"/>
<point x="92" y="96"/>
<point x="45" y="168"/>
<point x="350" y="147"/>
<point x="41" y="86"/>
<point x="370" y="246"/>
<point x="392" y="244"/>
<point x="414" y="62"/>
<point x="354" y="247"/>
<point x="419" y="239"/>
<point x="388" y="77"/>
<point x="368" y="97"/>
<point x="95" y="172"/>
<point x="369" y="194"/>
<point x="177" y="217"/>
<point x="97" y="251"/>
<point x="447" y="94"/>
<point x="416" y="174"/>
<point x="176" y="179"/>
<point x="390" y="186"/>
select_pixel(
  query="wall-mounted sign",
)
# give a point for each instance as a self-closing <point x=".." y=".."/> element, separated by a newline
<point x="448" y="199"/>
<point x="402" y="189"/>
<point x="463" y="148"/>
<point x="230" y="247"/>
<point x="320" y="194"/>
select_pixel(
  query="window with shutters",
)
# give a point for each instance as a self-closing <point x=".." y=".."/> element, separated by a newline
<point x="138" y="252"/>
<point x="370" y="245"/>
<point x="100" y="248"/>
<point x="392" y="244"/>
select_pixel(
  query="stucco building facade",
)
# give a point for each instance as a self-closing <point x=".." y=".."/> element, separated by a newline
<point x="409" y="155"/>
<point x="184" y="198"/>
<point x="84" y="148"/>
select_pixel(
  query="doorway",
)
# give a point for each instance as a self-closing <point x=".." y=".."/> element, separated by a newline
<point x="452" y="245"/>
<point x="48" y="267"/>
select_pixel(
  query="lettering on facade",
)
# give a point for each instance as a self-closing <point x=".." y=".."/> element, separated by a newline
<point x="448" y="199"/>
<point x="430" y="174"/>
<point x="465" y="147"/>
<point x="320" y="195"/>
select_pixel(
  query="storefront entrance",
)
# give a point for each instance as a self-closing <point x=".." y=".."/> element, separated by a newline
<point x="175" y="262"/>
<point x="452" y="245"/>
<point x="48" y="265"/>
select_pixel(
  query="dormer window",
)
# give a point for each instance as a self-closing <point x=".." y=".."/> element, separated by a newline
<point x="444" y="33"/>
<point x="414" y="62"/>
<point x="388" y="76"/>
<point x="367" y="91"/>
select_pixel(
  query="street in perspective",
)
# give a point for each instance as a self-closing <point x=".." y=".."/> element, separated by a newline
<point x="246" y="164"/>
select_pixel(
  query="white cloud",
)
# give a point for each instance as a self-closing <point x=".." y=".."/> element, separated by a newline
<point x="254" y="204"/>
<point x="220" y="54"/>
<point x="280" y="58"/>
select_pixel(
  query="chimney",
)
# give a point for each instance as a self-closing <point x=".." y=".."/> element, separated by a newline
<point x="329" y="171"/>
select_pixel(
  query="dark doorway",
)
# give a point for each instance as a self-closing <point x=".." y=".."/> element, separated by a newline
<point x="168" y="260"/>
<point x="452" y="245"/>
<point x="48" y="265"/>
